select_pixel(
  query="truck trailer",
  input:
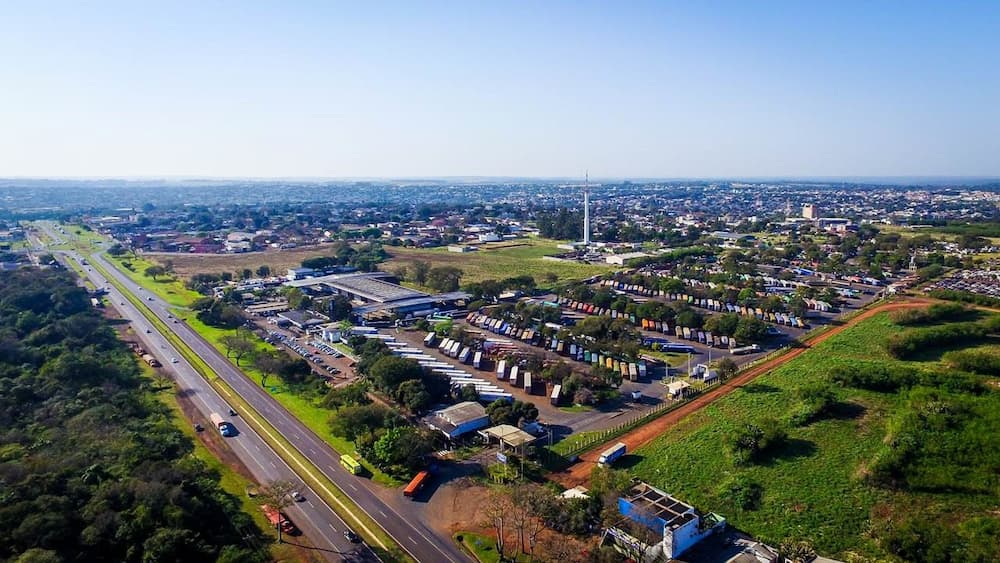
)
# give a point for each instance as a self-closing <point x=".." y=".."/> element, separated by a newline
<point x="224" y="426"/>
<point x="613" y="453"/>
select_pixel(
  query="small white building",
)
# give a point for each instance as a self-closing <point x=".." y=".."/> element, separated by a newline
<point x="621" y="259"/>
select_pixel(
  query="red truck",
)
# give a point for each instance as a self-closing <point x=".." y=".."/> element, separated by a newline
<point x="278" y="520"/>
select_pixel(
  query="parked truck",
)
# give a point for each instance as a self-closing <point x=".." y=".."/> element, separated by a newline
<point x="225" y="427"/>
<point x="611" y="454"/>
<point x="278" y="520"/>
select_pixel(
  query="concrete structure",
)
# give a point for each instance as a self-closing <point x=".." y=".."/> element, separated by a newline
<point x="375" y="296"/>
<point x="678" y="523"/>
<point x="459" y="419"/>
<point x="810" y="212"/>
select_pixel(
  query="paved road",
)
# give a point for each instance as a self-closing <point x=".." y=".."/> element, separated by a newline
<point x="316" y="520"/>
<point x="422" y="542"/>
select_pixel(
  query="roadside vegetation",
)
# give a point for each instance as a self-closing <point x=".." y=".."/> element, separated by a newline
<point x="95" y="468"/>
<point x="851" y="450"/>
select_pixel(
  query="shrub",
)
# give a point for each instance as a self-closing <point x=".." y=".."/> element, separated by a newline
<point x="745" y="493"/>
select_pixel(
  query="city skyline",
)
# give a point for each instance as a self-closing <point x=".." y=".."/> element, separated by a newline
<point x="656" y="90"/>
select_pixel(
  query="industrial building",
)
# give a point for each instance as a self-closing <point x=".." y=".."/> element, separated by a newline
<point x="458" y="420"/>
<point x="375" y="295"/>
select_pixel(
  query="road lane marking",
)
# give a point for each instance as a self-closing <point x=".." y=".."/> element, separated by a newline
<point x="383" y="514"/>
<point x="412" y="540"/>
<point x="355" y="489"/>
<point x="253" y="417"/>
<point x="331" y="527"/>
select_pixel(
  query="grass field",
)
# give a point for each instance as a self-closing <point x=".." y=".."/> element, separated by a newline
<point x="498" y="261"/>
<point x="811" y="488"/>
<point x="187" y="264"/>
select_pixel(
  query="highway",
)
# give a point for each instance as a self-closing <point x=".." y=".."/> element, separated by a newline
<point x="420" y="541"/>
<point x="313" y="517"/>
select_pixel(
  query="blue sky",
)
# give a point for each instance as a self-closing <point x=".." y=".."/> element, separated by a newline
<point x="384" y="89"/>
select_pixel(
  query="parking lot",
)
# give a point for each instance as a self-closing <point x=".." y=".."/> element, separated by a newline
<point x="326" y="361"/>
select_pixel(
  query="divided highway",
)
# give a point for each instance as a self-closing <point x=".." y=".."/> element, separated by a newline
<point x="423" y="543"/>
<point x="316" y="520"/>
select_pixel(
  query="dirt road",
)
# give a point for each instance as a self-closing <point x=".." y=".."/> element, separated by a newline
<point x="580" y="472"/>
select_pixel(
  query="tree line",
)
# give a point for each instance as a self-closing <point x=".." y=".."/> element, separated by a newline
<point x="93" y="468"/>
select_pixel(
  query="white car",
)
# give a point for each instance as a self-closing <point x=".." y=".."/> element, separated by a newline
<point x="173" y="360"/>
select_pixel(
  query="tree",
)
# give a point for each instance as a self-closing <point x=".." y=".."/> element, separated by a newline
<point x="469" y="393"/>
<point x="496" y="515"/>
<point x="727" y="368"/>
<point x="278" y="496"/>
<point x="750" y="329"/>
<point x="414" y="396"/>
<point x="263" y="271"/>
<point x="339" y="308"/>
<point x="388" y="372"/>
<point x="238" y="345"/>
<point x="352" y="421"/>
<point x="419" y="270"/>
<point x="444" y="278"/>
<point x="153" y="271"/>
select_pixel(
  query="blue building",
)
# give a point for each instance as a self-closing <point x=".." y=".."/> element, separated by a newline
<point x="678" y="524"/>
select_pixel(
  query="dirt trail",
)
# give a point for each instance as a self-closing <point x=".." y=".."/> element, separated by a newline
<point x="580" y="472"/>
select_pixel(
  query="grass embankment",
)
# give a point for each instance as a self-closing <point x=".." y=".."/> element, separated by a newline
<point x="499" y="260"/>
<point x="812" y="487"/>
<point x="305" y="469"/>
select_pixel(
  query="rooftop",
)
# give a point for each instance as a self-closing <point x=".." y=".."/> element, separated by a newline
<point x="462" y="412"/>
<point x="510" y="435"/>
<point x="654" y="502"/>
<point x="366" y="285"/>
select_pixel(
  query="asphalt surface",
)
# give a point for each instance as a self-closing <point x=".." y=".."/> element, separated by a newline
<point x="313" y="517"/>
<point x="401" y="522"/>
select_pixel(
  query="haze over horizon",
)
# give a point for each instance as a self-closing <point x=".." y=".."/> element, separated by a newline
<point x="396" y="90"/>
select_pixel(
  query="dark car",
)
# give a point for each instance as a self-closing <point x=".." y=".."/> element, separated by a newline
<point x="198" y="427"/>
<point x="351" y="536"/>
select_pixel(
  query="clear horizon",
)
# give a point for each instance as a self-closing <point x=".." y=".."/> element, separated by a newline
<point x="719" y="90"/>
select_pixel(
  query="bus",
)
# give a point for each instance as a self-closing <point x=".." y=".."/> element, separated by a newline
<point x="416" y="484"/>
<point x="350" y="464"/>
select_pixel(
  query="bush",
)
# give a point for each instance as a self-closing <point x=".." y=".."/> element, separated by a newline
<point x="908" y="344"/>
<point x="937" y="313"/>
<point x="745" y="494"/>
<point x="752" y="442"/>
<point x="815" y="401"/>
<point x="978" y="361"/>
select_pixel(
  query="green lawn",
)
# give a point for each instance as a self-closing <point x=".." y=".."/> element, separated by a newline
<point x="499" y="260"/>
<point x="811" y="488"/>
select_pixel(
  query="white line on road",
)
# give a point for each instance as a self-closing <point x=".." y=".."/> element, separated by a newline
<point x="412" y="540"/>
<point x="351" y="485"/>
<point x="331" y="527"/>
<point x="383" y="514"/>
